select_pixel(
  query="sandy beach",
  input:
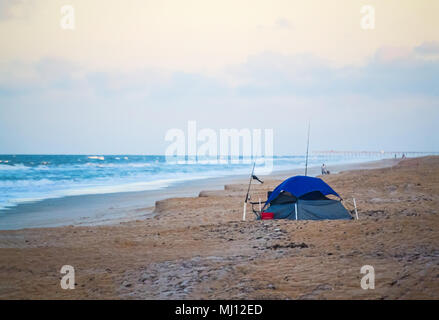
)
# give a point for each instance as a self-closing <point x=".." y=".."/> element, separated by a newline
<point x="116" y="207"/>
<point x="198" y="247"/>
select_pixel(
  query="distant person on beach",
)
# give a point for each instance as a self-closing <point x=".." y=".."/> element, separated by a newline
<point x="403" y="155"/>
<point x="324" y="170"/>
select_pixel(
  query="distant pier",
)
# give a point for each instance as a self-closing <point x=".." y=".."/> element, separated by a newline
<point x="367" y="154"/>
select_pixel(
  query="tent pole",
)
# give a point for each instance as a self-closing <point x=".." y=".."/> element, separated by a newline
<point x="355" y="206"/>
<point x="245" y="209"/>
<point x="295" y="209"/>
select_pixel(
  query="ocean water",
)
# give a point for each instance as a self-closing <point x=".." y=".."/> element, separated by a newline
<point x="27" y="178"/>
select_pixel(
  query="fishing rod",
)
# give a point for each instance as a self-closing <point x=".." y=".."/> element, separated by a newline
<point x="248" y="191"/>
<point x="307" y="148"/>
<point x="247" y="196"/>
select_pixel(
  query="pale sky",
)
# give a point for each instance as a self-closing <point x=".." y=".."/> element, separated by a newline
<point x="131" y="70"/>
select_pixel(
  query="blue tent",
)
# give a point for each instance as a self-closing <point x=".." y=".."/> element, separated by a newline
<point x="304" y="198"/>
<point x="301" y="185"/>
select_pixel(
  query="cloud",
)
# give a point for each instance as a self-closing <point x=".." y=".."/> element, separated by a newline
<point x="57" y="106"/>
<point x="16" y="9"/>
<point x="428" y="48"/>
<point x="388" y="54"/>
<point x="276" y="26"/>
<point x="391" y="72"/>
<point x="45" y="74"/>
<point x="283" y="23"/>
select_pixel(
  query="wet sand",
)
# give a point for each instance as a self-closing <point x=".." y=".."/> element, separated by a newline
<point x="198" y="248"/>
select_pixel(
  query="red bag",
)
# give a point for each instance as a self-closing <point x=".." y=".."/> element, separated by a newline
<point x="267" y="215"/>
